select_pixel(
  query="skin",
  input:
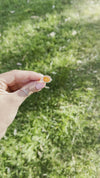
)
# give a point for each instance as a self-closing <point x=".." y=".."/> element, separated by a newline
<point x="12" y="95"/>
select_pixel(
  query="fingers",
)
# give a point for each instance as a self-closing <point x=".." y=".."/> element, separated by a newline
<point x="19" y="77"/>
<point x="3" y="86"/>
<point x="27" y="90"/>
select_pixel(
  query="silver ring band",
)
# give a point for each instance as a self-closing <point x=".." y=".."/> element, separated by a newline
<point x="25" y="91"/>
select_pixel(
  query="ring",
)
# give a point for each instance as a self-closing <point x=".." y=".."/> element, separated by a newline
<point x="26" y="92"/>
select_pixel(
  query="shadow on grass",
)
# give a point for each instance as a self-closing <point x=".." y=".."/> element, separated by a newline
<point x="81" y="77"/>
<point x="87" y="138"/>
<point x="67" y="81"/>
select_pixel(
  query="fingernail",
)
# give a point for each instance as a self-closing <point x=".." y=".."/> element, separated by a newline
<point x="39" y="86"/>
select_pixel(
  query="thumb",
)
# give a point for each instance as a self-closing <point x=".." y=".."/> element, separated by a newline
<point x="32" y="87"/>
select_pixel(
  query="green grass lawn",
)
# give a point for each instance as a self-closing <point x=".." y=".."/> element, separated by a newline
<point x="56" y="133"/>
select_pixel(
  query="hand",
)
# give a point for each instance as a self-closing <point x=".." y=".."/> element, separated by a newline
<point x="15" y="87"/>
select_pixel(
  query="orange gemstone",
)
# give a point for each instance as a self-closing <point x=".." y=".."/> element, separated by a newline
<point x="47" y="79"/>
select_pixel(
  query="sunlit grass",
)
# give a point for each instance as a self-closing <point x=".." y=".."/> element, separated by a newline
<point x="56" y="131"/>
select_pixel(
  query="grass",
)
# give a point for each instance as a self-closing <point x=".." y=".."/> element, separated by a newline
<point x="56" y="133"/>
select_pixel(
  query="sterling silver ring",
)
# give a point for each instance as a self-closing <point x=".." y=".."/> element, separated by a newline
<point x="25" y="91"/>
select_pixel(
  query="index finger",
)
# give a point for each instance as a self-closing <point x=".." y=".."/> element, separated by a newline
<point x="19" y="77"/>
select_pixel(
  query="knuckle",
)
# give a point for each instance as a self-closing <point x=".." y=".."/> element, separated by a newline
<point x="14" y="71"/>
